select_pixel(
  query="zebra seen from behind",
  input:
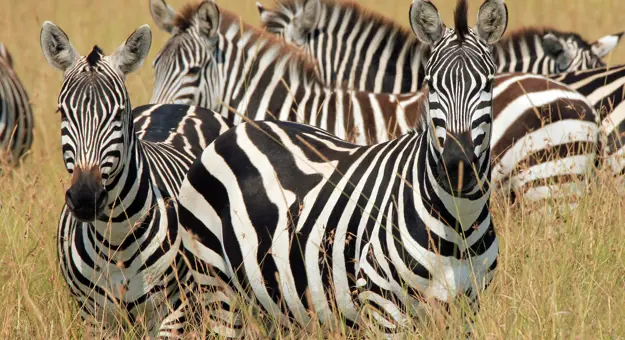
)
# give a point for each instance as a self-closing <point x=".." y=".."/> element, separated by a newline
<point x="16" y="116"/>
<point x="118" y="241"/>
<point x="260" y="75"/>
<point x="302" y="223"/>
<point x="361" y="50"/>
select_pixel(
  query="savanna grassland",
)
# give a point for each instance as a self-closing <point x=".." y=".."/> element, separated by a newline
<point x="561" y="275"/>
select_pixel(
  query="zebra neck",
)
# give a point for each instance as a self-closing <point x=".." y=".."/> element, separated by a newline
<point x="522" y="55"/>
<point x="460" y="211"/>
<point x="132" y="200"/>
<point x="259" y="75"/>
<point x="363" y="51"/>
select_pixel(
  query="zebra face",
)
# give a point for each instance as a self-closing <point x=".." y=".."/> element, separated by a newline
<point x="185" y="69"/>
<point x="459" y="77"/>
<point x="96" y="119"/>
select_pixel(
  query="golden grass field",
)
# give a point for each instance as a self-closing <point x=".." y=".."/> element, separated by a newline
<point x="560" y="275"/>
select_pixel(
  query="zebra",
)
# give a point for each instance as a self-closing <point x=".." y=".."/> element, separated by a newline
<point x="297" y="220"/>
<point x="361" y="50"/>
<point x="604" y="88"/>
<point x="259" y="74"/>
<point x="16" y="115"/>
<point x="243" y="73"/>
<point x="118" y="241"/>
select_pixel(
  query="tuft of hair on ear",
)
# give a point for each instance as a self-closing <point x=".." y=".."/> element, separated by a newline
<point x="461" y="21"/>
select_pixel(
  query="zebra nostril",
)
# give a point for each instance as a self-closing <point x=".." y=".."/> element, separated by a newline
<point x="102" y="197"/>
<point x="69" y="200"/>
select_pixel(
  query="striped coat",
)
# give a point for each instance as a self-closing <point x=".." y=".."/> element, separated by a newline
<point x="16" y="116"/>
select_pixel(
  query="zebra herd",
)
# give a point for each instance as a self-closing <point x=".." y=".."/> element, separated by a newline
<point x="333" y="165"/>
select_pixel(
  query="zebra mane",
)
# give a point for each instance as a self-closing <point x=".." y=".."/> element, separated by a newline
<point x="184" y="17"/>
<point x="461" y="22"/>
<point x="532" y="31"/>
<point x="95" y="56"/>
<point x="377" y="20"/>
<point x="297" y="57"/>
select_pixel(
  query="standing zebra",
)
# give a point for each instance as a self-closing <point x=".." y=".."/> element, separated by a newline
<point x="16" y="116"/>
<point x="118" y="241"/>
<point x="302" y="223"/>
<point x="211" y="60"/>
<point x="345" y="40"/>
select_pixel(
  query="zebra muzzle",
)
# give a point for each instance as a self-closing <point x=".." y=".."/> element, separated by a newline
<point x="458" y="165"/>
<point x="86" y="198"/>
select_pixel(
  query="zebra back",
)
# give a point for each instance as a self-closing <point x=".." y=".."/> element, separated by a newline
<point x="16" y="116"/>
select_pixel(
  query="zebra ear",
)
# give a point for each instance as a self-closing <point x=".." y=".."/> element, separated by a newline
<point x="131" y="54"/>
<point x="552" y="46"/>
<point x="492" y="20"/>
<point x="605" y="45"/>
<point x="57" y="48"/>
<point x="163" y="15"/>
<point x="4" y="54"/>
<point x="209" y="17"/>
<point x="307" y="17"/>
<point x="426" y="22"/>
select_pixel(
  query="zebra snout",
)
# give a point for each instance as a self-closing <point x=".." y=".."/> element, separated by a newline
<point x="86" y="198"/>
<point x="458" y="165"/>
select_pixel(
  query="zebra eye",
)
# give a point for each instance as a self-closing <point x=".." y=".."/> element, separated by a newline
<point x="195" y="70"/>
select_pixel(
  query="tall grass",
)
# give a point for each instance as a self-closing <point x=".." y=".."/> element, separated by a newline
<point x="560" y="275"/>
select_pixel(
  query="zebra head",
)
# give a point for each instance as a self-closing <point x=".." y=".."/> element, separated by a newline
<point x="459" y="75"/>
<point x="572" y="53"/>
<point x="185" y="69"/>
<point x="96" y="119"/>
<point x="293" y="21"/>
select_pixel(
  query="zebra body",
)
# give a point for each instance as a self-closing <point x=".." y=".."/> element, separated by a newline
<point x="16" y="116"/>
<point x="118" y="241"/>
<point x="360" y="50"/>
<point x="302" y="223"/>
<point x="272" y="80"/>
<point x="604" y="89"/>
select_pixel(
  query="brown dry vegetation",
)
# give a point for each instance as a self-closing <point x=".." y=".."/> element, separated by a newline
<point x="560" y="275"/>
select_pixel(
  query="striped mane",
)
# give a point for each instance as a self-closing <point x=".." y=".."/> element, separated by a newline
<point x="297" y="58"/>
<point x="363" y="14"/>
<point x="530" y="32"/>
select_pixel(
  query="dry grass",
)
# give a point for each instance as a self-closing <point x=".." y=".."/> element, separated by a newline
<point x="560" y="275"/>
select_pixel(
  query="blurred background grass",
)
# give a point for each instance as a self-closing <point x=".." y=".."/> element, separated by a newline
<point x="560" y="277"/>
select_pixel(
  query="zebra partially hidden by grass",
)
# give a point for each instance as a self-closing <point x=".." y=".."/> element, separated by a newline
<point x="16" y="116"/>
<point x="214" y="60"/>
<point x="118" y="241"/>
<point x="361" y="50"/>
<point x="303" y="223"/>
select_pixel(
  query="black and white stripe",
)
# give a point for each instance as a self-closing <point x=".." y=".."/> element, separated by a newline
<point x="361" y="50"/>
<point x="302" y="223"/>
<point x="604" y="88"/>
<point x="118" y="241"/>
<point x="215" y="61"/>
<point x="261" y="75"/>
<point x="16" y="116"/>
